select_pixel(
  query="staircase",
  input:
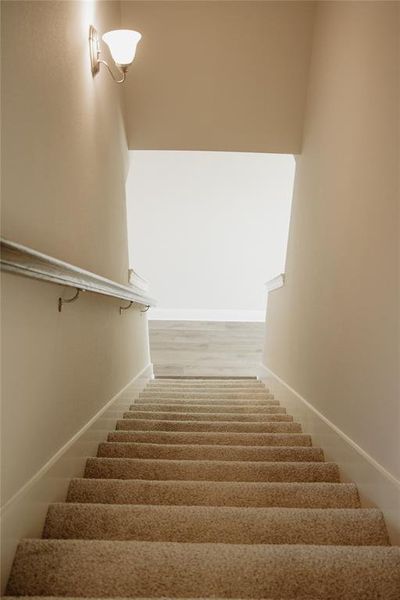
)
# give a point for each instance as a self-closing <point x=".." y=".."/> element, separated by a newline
<point x="208" y="489"/>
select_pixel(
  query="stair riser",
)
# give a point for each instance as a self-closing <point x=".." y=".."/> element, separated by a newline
<point x="144" y="425"/>
<point x="185" y="452"/>
<point x="148" y="569"/>
<point x="122" y="468"/>
<point x="214" y="493"/>
<point x="207" y="438"/>
<point x="216" y="525"/>
<point x="215" y="418"/>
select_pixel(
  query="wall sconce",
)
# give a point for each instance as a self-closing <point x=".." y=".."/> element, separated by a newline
<point x="122" y="44"/>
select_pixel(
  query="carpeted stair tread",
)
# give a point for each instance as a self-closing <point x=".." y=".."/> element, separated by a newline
<point x="227" y="525"/>
<point x="227" y="381"/>
<point x="214" y="493"/>
<point x="201" y="378"/>
<point x="209" y="381"/>
<point x="207" y="470"/>
<point x="205" y="452"/>
<point x="207" y="488"/>
<point x="227" y="426"/>
<point x="209" y="401"/>
<point x="220" y="438"/>
<point x="208" y="408"/>
<point x="217" y="395"/>
<point x="224" y="417"/>
<point x="92" y="568"/>
<point x="207" y="386"/>
<point x="211" y="391"/>
<point x="258" y="387"/>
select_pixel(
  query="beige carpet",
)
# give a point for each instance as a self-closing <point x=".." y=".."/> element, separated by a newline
<point x="209" y="489"/>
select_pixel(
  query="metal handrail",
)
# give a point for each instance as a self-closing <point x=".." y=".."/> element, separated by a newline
<point x="22" y="260"/>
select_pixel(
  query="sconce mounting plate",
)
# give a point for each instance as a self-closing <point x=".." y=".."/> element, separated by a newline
<point x="94" y="49"/>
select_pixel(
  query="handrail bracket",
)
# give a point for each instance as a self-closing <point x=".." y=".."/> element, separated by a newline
<point x="121" y="308"/>
<point x="62" y="301"/>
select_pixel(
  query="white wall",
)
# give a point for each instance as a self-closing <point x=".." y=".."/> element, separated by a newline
<point x="207" y="229"/>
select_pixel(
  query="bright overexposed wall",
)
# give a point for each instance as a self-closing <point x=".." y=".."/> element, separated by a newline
<point x="333" y="330"/>
<point x="208" y="229"/>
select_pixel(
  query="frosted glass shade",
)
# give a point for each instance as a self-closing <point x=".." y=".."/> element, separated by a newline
<point x="122" y="44"/>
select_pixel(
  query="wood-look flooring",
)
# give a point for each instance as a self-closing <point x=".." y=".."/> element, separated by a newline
<point x="207" y="348"/>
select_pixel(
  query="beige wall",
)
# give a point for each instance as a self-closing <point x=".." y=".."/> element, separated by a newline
<point x="63" y="186"/>
<point x="63" y="194"/>
<point x="333" y="330"/>
<point x="218" y="75"/>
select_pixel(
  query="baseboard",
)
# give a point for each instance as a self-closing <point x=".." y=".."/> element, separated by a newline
<point x="376" y="486"/>
<point x="24" y="514"/>
<point x="178" y="314"/>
